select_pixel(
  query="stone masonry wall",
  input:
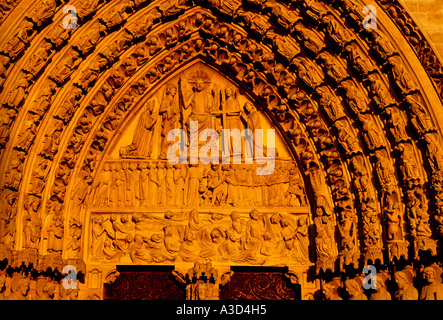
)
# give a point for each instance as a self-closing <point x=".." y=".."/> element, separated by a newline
<point x="429" y="15"/>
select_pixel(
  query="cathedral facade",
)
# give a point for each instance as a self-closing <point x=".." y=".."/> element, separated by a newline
<point x="219" y="150"/>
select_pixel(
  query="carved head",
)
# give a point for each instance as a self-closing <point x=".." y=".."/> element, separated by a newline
<point x="254" y="214"/>
<point x="193" y="215"/>
<point x="152" y="165"/>
<point x="353" y="287"/>
<point x="285" y="222"/>
<point x="267" y="236"/>
<point x="138" y="239"/>
<point x="235" y="215"/>
<point x="171" y="89"/>
<point x="151" y="105"/>
<point x="249" y="106"/>
<point x="429" y="275"/>
<point x="217" y="235"/>
<point x="23" y="286"/>
<point x="199" y="85"/>
<point x="275" y="218"/>
<point x="330" y="290"/>
<point x="169" y="214"/>
<point x="302" y="221"/>
<point x="125" y="218"/>
<point x="402" y="279"/>
<point x="133" y="166"/>
<point x="229" y="92"/>
<point x="49" y="288"/>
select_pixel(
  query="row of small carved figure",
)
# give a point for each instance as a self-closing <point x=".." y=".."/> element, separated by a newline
<point x="22" y="288"/>
<point x="236" y="240"/>
<point x="405" y="288"/>
<point x="160" y="184"/>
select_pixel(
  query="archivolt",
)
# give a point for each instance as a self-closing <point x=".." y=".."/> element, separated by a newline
<point x="318" y="111"/>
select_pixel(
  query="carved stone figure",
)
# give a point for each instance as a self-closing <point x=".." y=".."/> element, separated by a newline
<point x="6" y="117"/>
<point x="330" y="291"/>
<point x="383" y="46"/>
<point x="42" y="12"/>
<point x="2" y="286"/>
<point x="295" y="191"/>
<point x="20" y="40"/>
<point x="323" y="239"/>
<point x="69" y="105"/>
<point x="406" y="290"/>
<point x="141" y="27"/>
<point x="434" y="154"/>
<point x="334" y="68"/>
<point x="19" y="288"/>
<point x="38" y="60"/>
<point x="401" y="77"/>
<point x="355" y="289"/>
<point x="91" y="39"/>
<point x="384" y="168"/>
<point x="315" y="9"/>
<point x="329" y="102"/>
<point x="381" y="290"/>
<point x="285" y="17"/>
<point x="434" y="289"/>
<point x="142" y="142"/>
<point x="52" y="140"/>
<point x="355" y="98"/>
<point x="256" y="146"/>
<point x="393" y="217"/>
<point x="408" y="163"/>
<point x="18" y="93"/>
<point x="347" y="138"/>
<point x="310" y="39"/>
<point x="257" y="23"/>
<point x="55" y="229"/>
<point x="118" y="13"/>
<point x="372" y="135"/>
<point x="13" y="174"/>
<point x="420" y="118"/>
<point x="347" y="230"/>
<point x="380" y="93"/>
<point x="202" y="104"/>
<point x="66" y="66"/>
<point x="397" y="124"/>
<point x="337" y="32"/>
<point x="286" y="47"/>
<point x="358" y="59"/>
<point x="32" y="223"/>
<point x="307" y="71"/>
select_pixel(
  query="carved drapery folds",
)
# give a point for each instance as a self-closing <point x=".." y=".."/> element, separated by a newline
<point x="406" y="284"/>
<point x="363" y="150"/>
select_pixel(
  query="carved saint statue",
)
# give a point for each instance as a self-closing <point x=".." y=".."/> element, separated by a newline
<point x="142" y="141"/>
<point x="170" y="112"/>
<point x="201" y="103"/>
<point x="355" y="290"/>
<point x="434" y="289"/>
<point x="406" y="290"/>
<point x="233" y="111"/>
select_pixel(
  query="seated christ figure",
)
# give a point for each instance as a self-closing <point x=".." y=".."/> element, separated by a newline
<point x="201" y="103"/>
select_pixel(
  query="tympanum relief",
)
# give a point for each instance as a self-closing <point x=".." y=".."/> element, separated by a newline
<point x="180" y="186"/>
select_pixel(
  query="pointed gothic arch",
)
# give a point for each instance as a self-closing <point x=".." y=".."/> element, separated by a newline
<point x="358" y="109"/>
